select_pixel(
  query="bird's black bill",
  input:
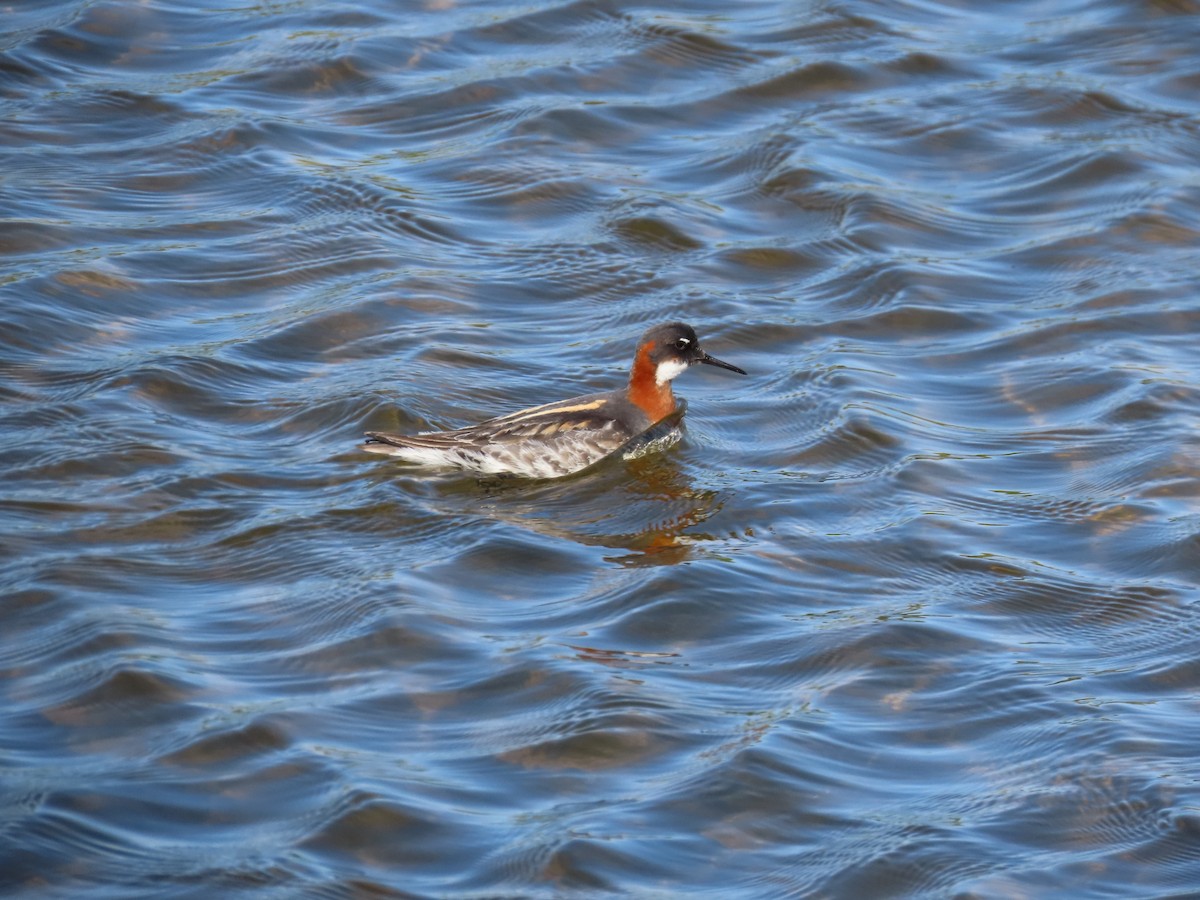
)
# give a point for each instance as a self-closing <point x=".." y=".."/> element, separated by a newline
<point x="713" y="361"/>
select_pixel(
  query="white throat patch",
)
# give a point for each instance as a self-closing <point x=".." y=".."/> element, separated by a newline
<point x="668" y="370"/>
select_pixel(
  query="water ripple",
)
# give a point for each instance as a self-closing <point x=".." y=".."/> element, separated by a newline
<point x="912" y="608"/>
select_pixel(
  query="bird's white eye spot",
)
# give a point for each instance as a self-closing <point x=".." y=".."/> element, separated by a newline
<point x="682" y="344"/>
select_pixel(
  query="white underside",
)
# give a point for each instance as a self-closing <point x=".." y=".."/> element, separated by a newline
<point x="638" y="449"/>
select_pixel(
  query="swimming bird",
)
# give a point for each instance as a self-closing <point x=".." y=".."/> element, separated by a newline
<point x="566" y="437"/>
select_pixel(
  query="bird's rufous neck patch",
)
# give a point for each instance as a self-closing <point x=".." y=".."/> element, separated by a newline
<point x="656" y="400"/>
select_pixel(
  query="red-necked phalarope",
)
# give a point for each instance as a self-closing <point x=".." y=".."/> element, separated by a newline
<point x="566" y="437"/>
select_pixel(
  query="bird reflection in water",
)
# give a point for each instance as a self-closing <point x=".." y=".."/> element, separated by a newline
<point x="647" y="506"/>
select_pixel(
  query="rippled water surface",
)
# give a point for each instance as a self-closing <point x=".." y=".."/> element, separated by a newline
<point x="913" y="611"/>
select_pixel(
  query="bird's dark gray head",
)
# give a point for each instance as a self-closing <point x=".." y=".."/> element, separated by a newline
<point x="672" y="347"/>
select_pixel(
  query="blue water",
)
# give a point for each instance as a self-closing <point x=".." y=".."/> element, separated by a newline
<point x="914" y="609"/>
